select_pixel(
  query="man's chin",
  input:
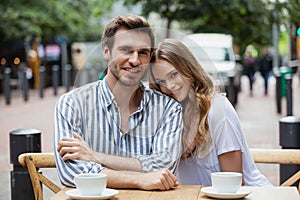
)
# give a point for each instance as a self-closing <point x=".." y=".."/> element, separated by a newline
<point x="129" y="81"/>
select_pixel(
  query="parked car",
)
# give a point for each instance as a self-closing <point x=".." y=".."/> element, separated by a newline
<point x="216" y="55"/>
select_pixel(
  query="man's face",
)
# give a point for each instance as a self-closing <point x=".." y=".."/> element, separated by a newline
<point x="129" y="57"/>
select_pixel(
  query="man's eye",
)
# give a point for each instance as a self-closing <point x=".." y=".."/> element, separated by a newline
<point x="145" y="53"/>
<point x="126" y="50"/>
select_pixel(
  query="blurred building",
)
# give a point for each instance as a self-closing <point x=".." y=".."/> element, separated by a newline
<point x="12" y="54"/>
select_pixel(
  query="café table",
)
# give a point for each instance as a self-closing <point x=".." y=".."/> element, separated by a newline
<point x="192" y="192"/>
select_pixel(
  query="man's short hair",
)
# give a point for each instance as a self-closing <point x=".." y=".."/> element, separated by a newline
<point x="127" y="22"/>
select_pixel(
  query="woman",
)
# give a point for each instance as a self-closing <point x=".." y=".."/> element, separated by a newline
<point x="213" y="137"/>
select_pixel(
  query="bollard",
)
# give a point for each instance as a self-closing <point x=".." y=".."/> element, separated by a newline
<point x="25" y="84"/>
<point x="289" y="94"/>
<point x="6" y="85"/>
<point x="289" y="133"/>
<point x="278" y="91"/>
<point x="22" y="141"/>
<point x="68" y="77"/>
<point x="284" y="71"/>
<point x="231" y="90"/>
<point x="55" y="69"/>
<point x="42" y="80"/>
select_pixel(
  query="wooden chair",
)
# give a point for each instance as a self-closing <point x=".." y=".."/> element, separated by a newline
<point x="279" y="156"/>
<point x="32" y="162"/>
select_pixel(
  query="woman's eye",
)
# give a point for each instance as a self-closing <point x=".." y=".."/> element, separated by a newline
<point x="160" y="82"/>
<point x="174" y="74"/>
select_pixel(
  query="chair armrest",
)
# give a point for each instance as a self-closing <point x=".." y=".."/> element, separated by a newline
<point x="276" y="156"/>
<point x="40" y="160"/>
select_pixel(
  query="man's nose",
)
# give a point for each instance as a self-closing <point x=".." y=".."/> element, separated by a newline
<point x="134" y="58"/>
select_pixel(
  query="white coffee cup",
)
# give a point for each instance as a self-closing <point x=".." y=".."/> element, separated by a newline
<point x="92" y="184"/>
<point x="226" y="182"/>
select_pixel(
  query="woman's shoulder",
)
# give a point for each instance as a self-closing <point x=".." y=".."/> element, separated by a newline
<point x="219" y="102"/>
<point x="221" y="109"/>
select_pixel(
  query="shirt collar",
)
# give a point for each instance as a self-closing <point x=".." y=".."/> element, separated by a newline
<point x="108" y="97"/>
<point x="104" y="93"/>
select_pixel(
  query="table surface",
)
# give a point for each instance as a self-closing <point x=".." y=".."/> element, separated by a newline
<point x="192" y="192"/>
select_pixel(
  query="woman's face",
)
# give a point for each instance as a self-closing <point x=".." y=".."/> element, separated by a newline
<point x="170" y="81"/>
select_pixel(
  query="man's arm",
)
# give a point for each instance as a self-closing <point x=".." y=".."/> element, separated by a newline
<point x="119" y="162"/>
<point x="77" y="149"/>
<point x="66" y="121"/>
<point x="161" y="179"/>
<point x="167" y="142"/>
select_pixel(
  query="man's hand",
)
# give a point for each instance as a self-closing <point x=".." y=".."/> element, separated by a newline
<point x="161" y="179"/>
<point x="75" y="149"/>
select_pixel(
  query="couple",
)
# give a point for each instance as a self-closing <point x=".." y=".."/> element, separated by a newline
<point x="140" y="137"/>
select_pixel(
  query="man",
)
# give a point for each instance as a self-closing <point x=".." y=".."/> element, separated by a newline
<point x="265" y="66"/>
<point x="117" y="126"/>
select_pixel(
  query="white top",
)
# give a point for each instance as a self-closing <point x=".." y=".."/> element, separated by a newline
<point x="227" y="135"/>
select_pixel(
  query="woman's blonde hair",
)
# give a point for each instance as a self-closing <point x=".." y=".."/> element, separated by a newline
<point x="201" y="90"/>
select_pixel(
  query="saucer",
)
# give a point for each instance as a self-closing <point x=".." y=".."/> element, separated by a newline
<point x="107" y="194"/>
<point x="241" y="193"/>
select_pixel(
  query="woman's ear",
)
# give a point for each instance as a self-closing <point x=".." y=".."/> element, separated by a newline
<point x="105" y="51"/>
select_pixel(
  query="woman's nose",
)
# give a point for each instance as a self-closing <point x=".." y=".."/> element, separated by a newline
<point x="170" y="84"/>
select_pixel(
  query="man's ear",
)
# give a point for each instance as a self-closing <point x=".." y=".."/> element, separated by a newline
<point x="105" y="51"/>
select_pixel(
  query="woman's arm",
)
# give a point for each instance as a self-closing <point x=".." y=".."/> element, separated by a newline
<point x="231" y="162"/>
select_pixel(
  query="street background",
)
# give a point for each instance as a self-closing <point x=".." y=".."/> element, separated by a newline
<point x="258" y="116"/>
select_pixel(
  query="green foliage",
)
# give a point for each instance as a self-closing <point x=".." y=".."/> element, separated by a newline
<point x="248" y="21"/>
<point x="282" y="45"/>
<point x="73" y="19"/>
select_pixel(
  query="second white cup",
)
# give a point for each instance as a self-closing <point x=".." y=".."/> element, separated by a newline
<point x="226" y="182"/>
<point x="92" y="184"/>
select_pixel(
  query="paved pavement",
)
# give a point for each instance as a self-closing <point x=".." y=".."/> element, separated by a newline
<point x="258" y="115"/>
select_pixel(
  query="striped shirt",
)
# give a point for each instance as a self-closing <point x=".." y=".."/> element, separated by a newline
<point x="153" y="136"/>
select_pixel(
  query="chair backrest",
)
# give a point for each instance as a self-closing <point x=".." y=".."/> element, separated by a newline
<point x="32" y="162"/>
<point x="279" y="156"/>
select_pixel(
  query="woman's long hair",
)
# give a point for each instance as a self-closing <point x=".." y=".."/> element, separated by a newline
<point x="201" y="91"/>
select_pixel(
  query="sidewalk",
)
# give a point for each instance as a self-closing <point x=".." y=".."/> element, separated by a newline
<point x="258" y="115"/>
<point x="260" y="120"/>
<point x="35" y="113"/>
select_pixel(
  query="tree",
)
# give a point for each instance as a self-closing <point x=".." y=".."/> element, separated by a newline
<point x="167" y="9"/>
<point x="247" y="21"/>
<point x="73" y="19"/>
<point x="290" y="13"/>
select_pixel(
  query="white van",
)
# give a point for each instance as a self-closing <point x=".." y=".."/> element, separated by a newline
<point x="215" y="54"/>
